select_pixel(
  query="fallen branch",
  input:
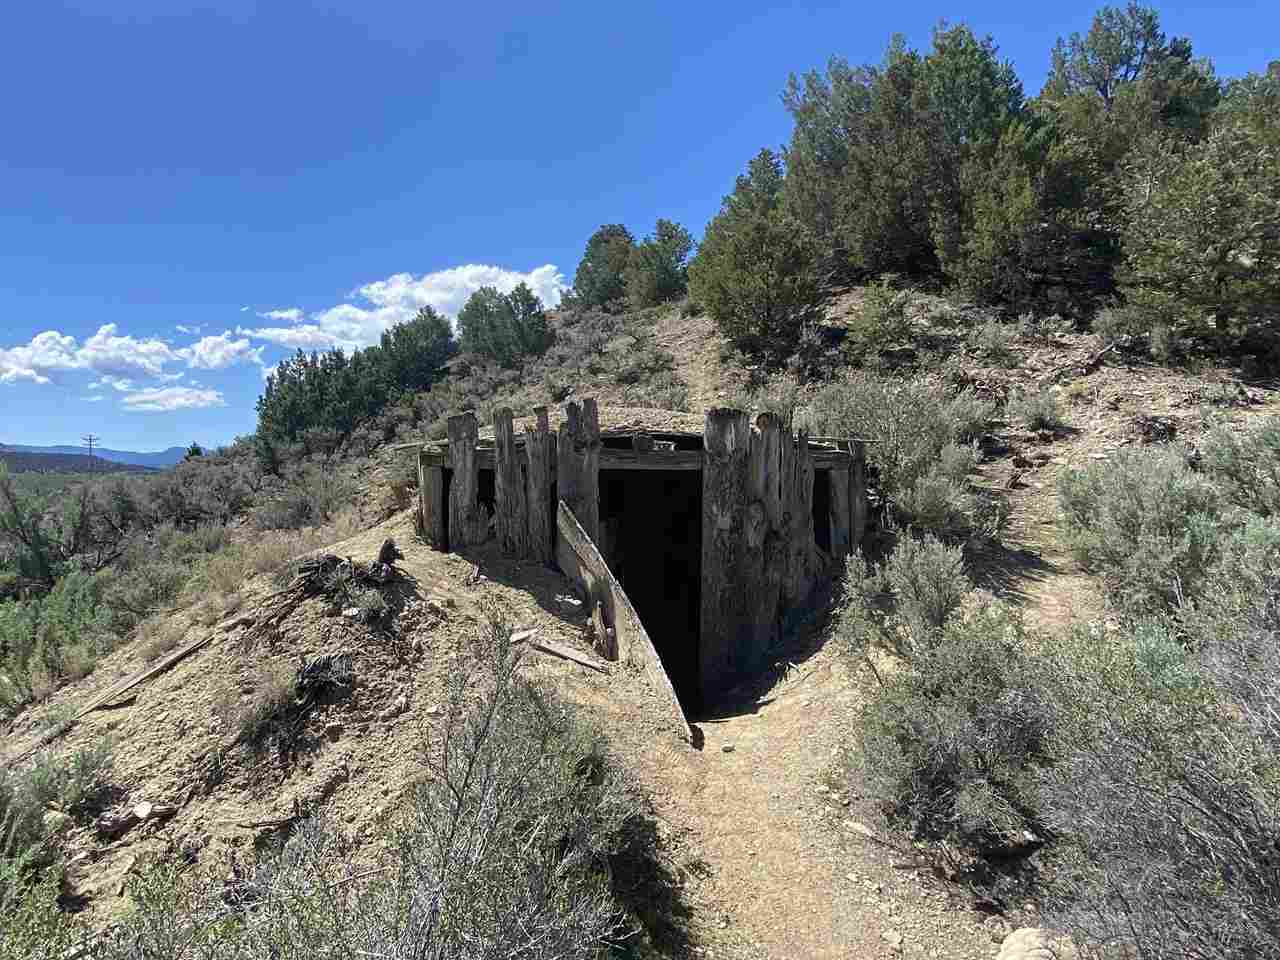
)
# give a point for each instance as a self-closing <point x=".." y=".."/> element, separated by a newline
<point x="566" y="653"/>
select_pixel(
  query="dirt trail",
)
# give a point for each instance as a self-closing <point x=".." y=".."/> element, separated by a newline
<point x="790" y="871"/>
<point x="695" y="343"/>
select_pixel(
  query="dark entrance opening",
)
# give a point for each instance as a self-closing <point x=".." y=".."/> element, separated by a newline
<point x="822" y="508"/>
<point x="651" y="537"/>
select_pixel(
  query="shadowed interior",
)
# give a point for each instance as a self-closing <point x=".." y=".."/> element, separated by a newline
<point x="651" y="533"/>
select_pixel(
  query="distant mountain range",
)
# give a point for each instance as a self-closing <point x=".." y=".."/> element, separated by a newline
<point x="158" y="460"/>
<point x="21" y="462"/>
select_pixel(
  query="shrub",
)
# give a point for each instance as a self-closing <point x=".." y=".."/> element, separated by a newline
<point x="994" y="342"/>
<point x="881" y="321"/>
<point x="312" y="495"/>
<point x="504" y="849"/>
<point x="1146" y="523"/>
<point x="1247" y="465"/>
<point x="915" y="425"/>
<point x="268" y="711"/>
<point x="1037" y="411"/>
<point x="954" y="740"/>
<point x="1166" y="789"/>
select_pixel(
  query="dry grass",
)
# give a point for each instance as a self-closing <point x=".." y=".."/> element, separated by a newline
<point x="159" y="635"/>
<point x="268" y="704"/>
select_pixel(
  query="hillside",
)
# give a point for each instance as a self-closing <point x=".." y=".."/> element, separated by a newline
<point x="762" y="850"/>
<point x="23" y="461"/>
<point x="157" y="460"/>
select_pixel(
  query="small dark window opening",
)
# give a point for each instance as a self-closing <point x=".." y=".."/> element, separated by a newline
<point x="822" y="508"/>
<point x="651" y="536"/>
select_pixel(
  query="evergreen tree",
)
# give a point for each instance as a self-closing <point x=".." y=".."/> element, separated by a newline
<point x="504" y="327"/>
<point x="658" y="271"/>
<point x="600" y="279"/>
<point x="755" y="270"/>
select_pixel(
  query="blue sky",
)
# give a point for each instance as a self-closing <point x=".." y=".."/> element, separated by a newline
<point x="188" y="189"/>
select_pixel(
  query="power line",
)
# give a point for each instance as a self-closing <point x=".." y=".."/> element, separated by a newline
<point x="89" y="441"/>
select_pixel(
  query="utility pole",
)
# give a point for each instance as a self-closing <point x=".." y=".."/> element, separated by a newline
<point x="89" y="441"/>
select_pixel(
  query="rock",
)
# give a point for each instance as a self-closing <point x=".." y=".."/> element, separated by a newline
<point x="398" y="706"/>
<point x="352" y="613"/>
<point x="892" y="937"/>
<point x="333" y="729"/>
<point x="727" y="748"/>
<point x="1033" y="943"/>
<point x="859" y="827"/>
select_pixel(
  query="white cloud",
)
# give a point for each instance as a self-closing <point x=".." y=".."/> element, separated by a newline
<point x="165" y="399"/>
<point x="244" y="309"/>
<point x="220" y="352"/>
<point x="47" y="353"/>
<point x="122" y="384"/>
<point x="93" y="399"/>
<point x="268" y="371"/>
<point x="288" y="315"/>
<point x="382" y="304"/>
<point x="107" y="353"/>
<point x="190" y="330"/>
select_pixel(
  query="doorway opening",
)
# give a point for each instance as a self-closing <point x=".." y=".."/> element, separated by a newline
<point x="651" y="537"/>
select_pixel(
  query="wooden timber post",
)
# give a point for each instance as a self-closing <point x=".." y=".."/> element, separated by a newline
<point x="858" y="506"/>
<point x="578" y="464"/>
<point x="468" y="524"/>
<point x="765" y="557"/>
<point x="431" y="504"/>
<point x="539" y="449"/>
<point x="798" y="577"/>
<point x="840" y="516"/>
<point x="727" y="447"/>
<point x="510" y="495"/>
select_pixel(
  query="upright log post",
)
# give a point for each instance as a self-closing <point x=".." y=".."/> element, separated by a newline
<point x="538" y="446"/>
<point x="798" y="579"/>
<point x="727" y="447"/>
<point x="858" y="506"/>
<point x="431" y="504"/>
<point x="509" y="489"/>
<point x="468" y="523"/>
<point x="578" y="464"/>
<point x="764" y="559"/>
<point x="840" y="516"/>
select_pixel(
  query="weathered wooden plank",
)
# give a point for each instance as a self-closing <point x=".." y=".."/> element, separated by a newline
<point x="510" y="492"/>
<point x="841" y="517"/>
<point x="727" y="447"/>
<point x="610" y="458"/>
<point x="798" y="577"/>
<point x="568" y="653"/>
<point x="468" y="523"/>
<point x="578" y="464"/>
<point x="539" y="449"/>
<point x="765" y="558"/>
<point x="431" y="505"/>
<point x="581" y="561"/>
<point x="858" y="506"/>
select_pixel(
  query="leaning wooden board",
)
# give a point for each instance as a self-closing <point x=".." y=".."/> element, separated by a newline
<point x="579" y="558"/>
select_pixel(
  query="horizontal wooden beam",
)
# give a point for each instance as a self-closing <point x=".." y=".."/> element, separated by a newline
<point x="611" y="459"/>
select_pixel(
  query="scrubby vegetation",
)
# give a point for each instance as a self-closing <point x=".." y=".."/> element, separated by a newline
<point x="1140" y="759"/>
<point x="519" y="839"/>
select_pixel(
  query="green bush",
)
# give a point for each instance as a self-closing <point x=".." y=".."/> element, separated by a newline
<point x="1167" y="786"/>
<point x="1246" y="465"/>
<point x="1146" y="523"/>
<point x="993" y="341"/>
<point x="921" y="431"/>
<point x="1037" y="411"/>
<point x="954" y="740"/>
<point x="881" y="321"/>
